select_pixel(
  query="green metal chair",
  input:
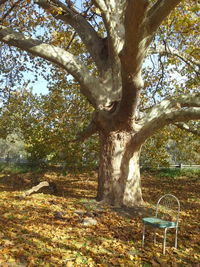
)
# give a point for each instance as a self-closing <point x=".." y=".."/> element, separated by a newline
<point x="167" y="216"/>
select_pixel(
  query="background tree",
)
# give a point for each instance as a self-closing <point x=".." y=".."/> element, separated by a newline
<point x="171" y="145"/>
<point x="12" y="148"/>
<point x="113" y="40"/>
<point x="48" y="125"/>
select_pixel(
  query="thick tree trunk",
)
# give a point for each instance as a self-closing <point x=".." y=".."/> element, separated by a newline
<point x="119" y="172"/>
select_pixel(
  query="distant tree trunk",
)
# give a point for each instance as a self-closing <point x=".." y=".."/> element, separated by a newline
<point x="119" y="172"/>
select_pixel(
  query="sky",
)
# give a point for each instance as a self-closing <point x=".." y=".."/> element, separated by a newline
<point x="38" y="87"/>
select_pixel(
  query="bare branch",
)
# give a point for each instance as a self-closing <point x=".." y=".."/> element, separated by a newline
<point x="187" y="128"/>
<point x="159" y="11"/>
<point x="55" y="55"/>
<point x="71" y="41"/>
<point x="93" y="42"/>
<point x="10" y="10"/>
<point x="167" y="50"/>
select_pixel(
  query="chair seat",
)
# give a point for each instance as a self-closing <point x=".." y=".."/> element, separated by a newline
<point x="156" y="222"/>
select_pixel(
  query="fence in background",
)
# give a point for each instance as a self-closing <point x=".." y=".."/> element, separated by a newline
<point x="173" y="166"/>
<point x="183" y="166"/>
<point x="143" y="166"/>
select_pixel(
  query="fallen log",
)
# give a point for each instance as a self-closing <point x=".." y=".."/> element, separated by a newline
<point x="43" y="187"/>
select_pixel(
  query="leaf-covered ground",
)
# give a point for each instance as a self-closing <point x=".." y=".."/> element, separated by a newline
<point x="47" y="230"/>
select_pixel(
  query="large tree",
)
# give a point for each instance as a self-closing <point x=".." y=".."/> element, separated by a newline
<point x="117" y="36"/>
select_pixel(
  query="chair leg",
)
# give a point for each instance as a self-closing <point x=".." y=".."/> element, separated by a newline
<point x="154" y="239"/>
<point x="143" y="235"/>
<point x="164" y="242"/>
<point x="176" y="237"/>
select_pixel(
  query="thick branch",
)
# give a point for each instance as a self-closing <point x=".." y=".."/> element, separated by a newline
<point x="88" y="35"/>
<point x="86" y="133"/>
<point x="55" y="55"/>
<point x="181" y="109"/>
<point x="101" y="4"/>
<point x="181" y="102"/>
<point x="185" y="127"/>
<point x="135" y="47"/>
<point x="133" y="54"/>
<point x="172" y="117"/>
<point x="112" y="13"/>
<point x="159" y="11"/>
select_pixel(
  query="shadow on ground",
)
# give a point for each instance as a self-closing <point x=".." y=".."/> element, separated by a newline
<point x="33" y="235"/>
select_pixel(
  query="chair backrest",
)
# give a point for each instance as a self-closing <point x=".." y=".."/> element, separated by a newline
<point x="168" y="208"/>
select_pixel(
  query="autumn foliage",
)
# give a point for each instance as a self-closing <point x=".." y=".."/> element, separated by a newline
<point x="48" y="230"/>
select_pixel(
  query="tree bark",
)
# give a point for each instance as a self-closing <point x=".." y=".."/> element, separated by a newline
<point x="119" y="172"/>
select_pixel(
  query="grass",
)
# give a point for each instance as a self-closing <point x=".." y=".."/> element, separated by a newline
<point x="16" y="168"/>
<point x="32" y="235"/>
<point x="175" y="173"/>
